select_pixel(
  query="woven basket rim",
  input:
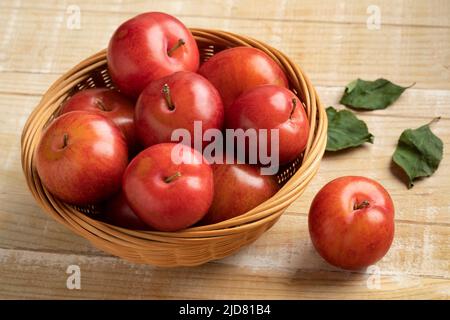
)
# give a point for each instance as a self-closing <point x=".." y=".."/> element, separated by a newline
<point x="264" y="214"/>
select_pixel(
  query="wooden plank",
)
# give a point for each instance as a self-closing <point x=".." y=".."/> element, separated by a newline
<point x="417" y="249"/>
<point x="421" y="213"/>
<point x="26" y="274"/>
<point x="332" y="54"/>
<point x="25" y="83"/>
<point x="424" y="202"/>
<point x="420" y="204"/>
<point x="414" y="103"/>
<point x="432" y="13"/>
<point x="25" y="226"/>
<point x="331" y="41"/>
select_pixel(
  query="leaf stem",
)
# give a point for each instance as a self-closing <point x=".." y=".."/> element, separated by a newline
<point x="411" y="86"/>
<point x="434" y="120"/>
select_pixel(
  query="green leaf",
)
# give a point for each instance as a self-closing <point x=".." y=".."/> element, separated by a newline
<point x="345" y="130"/>
<point x="418" y="152"/>
<point x="371" y="95"/>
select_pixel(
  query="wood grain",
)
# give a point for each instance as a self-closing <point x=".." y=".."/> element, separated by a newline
<point x="43" y="275"/>
<point x="432" y="13"/>
<point x="332" y="54"/>
<point x="330" y="40"/>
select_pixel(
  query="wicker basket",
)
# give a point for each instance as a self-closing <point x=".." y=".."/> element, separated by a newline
<point x="195" y="245"/>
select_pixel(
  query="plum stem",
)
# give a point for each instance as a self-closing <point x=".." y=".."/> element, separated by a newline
<point x="362" y="205"/>
<point x="166" y="92"/>
<point x="294" y="105"/>
<point x="65" y="140"/>
<point x="172" y="177"/>
<point x="180" y="43"/>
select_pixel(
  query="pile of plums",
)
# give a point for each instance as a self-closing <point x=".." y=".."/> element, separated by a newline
<point x="114" y="147"/>
<point x="118" y="148"/>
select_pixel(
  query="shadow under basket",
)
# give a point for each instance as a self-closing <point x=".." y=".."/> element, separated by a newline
<point x="196" y="245"/>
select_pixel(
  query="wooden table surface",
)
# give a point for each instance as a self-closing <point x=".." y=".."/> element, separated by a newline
<point x="332" y="41"/>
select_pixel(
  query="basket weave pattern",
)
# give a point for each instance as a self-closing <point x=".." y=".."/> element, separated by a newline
<point x="195" y="245"/>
